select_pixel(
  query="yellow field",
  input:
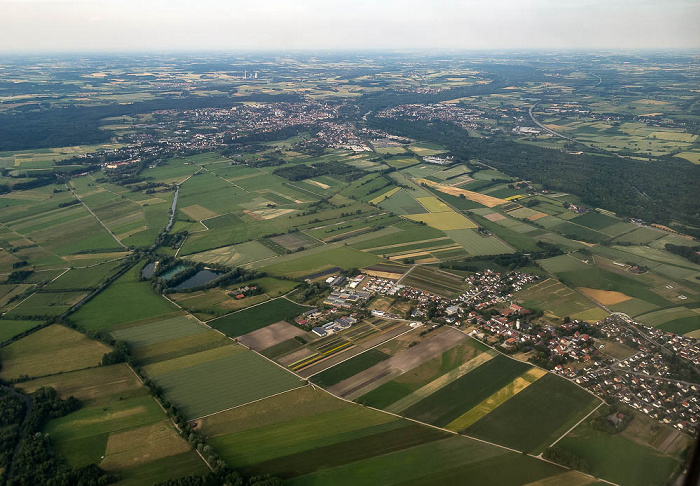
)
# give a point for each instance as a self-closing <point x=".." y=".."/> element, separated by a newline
<point x="387" y="194"/>
<point x="198" y="212"/>
<point x="443" y="221"/>
<point x="693" y="157"/>
<point x="498" y="398"/>
<point x="140" y="446"/>
<point x="571" y="478"/>
<point x="319" y="184"/>
<point x="440" y="382"/>
<point x="605" y="297"/>
<point x="488" y="201"/>
<point x="433" y="204"/>
<point x="674" y="136"/>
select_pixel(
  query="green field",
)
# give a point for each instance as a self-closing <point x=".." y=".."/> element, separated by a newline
<point x="537" y="416"/>
<point x="219" y="384"/>
<point x="161" y="330"/>
<point x="657" y="318"/>
<point x="452" y="461"/>
<point x="478" y="245"/>
<point x="119" y="427"/>
<point x="554" y="298"/>
<point x="125" y="300"/>
<point x="422" y="375"/>
<point x="47" y="304"/>
<point x="317" y="259"/>
<point x="617" y="458"/>
<point x="454" y="399"/>
<point x="9" y="328"/>
<point x="308" y="435"/>
<point x="84" y="278"/>
<point x="248" y="320"/>
<point x="349" y="368"/>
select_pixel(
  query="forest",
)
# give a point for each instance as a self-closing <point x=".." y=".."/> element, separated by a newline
<point x="659" y="191"/>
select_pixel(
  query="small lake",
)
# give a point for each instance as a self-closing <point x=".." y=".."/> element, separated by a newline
<point x="147" y="271"/>
<point x="172" y="272"/>
<point x="198" y="279"/>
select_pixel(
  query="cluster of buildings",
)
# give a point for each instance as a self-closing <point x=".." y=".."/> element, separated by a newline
<point x="490" y="288"/>
<point x="337" y="325"/>
<point x="447" y="112"/>
<point x="645" y="381"/>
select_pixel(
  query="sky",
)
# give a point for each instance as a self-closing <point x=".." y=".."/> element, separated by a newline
<point x="233" y="25"/>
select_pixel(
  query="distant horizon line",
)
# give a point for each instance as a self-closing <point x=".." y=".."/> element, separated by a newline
<point x="363" y="50"/>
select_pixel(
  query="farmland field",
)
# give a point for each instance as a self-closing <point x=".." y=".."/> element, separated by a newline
<point x="292" y="436"/>
<point x="349" y="368"/>
<point x="50" y="350"/>
<point x="618" y="458"/>
<point x="125" y="300"/>
<point x="212" y="386"/>
<point x="247" y="320"/>
<point x="160" y="330"/>
<point x="432" y="179"/>
<point x="117" y="413"/>
<point x="9" y="329"/>
<point x="530" y="420"/>
<point x="419" y="382"/>
<point x="452" y="400"/>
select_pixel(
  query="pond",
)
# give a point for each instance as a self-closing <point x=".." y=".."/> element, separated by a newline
<point x="147" y="271"/>
<point x="198" y="279"/>
<point x="172" y="272"/>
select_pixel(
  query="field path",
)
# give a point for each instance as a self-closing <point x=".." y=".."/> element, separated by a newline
<point x="72" y="190"/>
<point x="576" y="425"/>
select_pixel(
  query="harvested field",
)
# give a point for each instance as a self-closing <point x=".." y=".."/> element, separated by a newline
<point x="199" y="213"/>
<point x="605" y="297"/>
<point x="50" y="350"/>
<point x="488" y="201"/>
<point x="89" y="384"/>
<point x="443" y="221"/>
<point x="142" y="445"/>
<point x="270" y="335"/>
<point x="494" y="217"/>
<point x="385" y="371"/>
<point x="433" y="204"/>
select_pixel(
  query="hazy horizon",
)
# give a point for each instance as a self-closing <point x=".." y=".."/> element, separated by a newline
<point x="84" y="26"/>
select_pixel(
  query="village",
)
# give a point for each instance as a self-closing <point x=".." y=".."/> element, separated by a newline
<point x="575" y="350"/>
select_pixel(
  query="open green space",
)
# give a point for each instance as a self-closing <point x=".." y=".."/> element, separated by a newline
<point x="219" y="384"/>
<point x="125" y="300"/>
<point x="617" y="458"/>
<point x="256" y="317"/>
<point x="531" y="420"/>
